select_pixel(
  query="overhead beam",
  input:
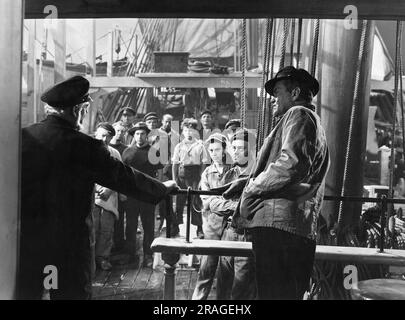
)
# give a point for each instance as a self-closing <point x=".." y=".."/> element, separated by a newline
<point x="177" y="80"/>
<point x="323" y="9"/>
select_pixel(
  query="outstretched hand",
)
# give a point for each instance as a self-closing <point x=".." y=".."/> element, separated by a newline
<point x="171" y="186"/>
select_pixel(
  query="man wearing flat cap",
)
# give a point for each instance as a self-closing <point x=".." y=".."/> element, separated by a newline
<point x="137" y="155"/>
<point x="231" y="127"/>
<point x="105" y="210"/>
<point x="127" y="121"/>
<point x="60" y="167"/>
<point x="281" y="200"/>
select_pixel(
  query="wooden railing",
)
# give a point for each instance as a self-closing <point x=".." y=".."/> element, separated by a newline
<point x="171" y="248"/>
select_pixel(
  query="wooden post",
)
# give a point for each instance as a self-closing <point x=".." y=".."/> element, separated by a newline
<point x="110" y="53"/>
<point x="11" y="17"/>
<point x="91" y="47"/>
<point x="170" y="275"/>
<point x="59" y="39"/>
<point x="32" y="78"/>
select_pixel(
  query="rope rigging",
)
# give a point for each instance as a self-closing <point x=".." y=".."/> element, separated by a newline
<point x="315" y="51"/>
<point x="286" y="24"/>
<point x="299" y="41"/>
<point x="261" y="114"/>
<point x="243" y="79"/>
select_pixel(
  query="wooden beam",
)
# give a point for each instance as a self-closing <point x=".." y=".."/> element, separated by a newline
<point x="11" y="31"/>
<point x="244" y="249"/>
<point x="177" y="80"/>
<point x="323" y="9"/>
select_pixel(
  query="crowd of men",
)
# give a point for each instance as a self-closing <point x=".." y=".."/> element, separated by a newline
<point x="76" y="188"/>
<point x="162" y="153"/>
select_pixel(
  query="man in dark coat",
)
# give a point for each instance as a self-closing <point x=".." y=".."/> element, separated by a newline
<point x="60" y="166"/>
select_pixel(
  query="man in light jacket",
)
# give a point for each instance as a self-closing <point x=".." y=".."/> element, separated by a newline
<point x="281" y="200"/>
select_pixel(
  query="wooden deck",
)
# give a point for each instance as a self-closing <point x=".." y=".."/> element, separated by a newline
<point x="130" y="282"/>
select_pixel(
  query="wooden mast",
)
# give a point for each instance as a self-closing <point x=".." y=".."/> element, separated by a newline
<point x="337" y="63"/>
<point x="11" y="31"/>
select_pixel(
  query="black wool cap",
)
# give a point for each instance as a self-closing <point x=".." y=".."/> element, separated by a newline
<point x="300" y="75"/>
<point x="67" y="93"/>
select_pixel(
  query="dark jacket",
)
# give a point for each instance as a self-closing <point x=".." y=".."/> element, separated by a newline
<point x="59" y="169"/>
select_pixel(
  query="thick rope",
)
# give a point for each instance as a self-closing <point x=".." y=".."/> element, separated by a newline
<point x="315" y="51"/>
<point x="299" y="42"/>
<point x="394" y="109"/>
<point x="292" y="43"/>
<point x="401" y="99"/>
<point x="260" y="118"/>
<point x="262" y="102"/>
<point x="273" y="51"/>
<point x="243" y="85"/>
<point x="284" y="43"/>
<point x="268" y="120"/>
<point x="356" y="97"/>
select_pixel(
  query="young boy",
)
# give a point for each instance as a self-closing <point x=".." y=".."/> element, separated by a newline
<point x="212" y="177"/>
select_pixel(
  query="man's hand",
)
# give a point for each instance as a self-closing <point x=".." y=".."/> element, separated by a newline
<point x="104" y="193"/>
<point x="235" y="189"/>
<point x="171" y="186"/>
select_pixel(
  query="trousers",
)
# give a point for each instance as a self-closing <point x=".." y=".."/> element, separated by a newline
<point x="135" y="208"/>
<point x="284" y="263"/>
<point x="236" y="275"/>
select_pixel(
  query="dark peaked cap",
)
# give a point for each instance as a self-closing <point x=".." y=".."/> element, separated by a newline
<point x="300" y="75"/>
<point x="67" y="93"/>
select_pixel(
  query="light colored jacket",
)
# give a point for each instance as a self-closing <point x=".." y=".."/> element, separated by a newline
<point x="295" y="153"/>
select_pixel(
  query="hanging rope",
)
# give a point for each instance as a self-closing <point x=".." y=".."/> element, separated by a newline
<point x="394" y="109"/>
<point x="268" y="116"/>
<point x="299" y="41"/>
<point x="284" y="43"/>
<point x="292" y="42"/>
<point x="315" y="51"/>
<point x="401" y="100"/>
<point x="262" y="101"/>
<point x="243" y="85"/>
<point x="356" y="97"/>
<point x="273" y="51"/>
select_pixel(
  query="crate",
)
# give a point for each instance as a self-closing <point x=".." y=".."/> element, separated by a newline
<point x="170" y="61"/>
